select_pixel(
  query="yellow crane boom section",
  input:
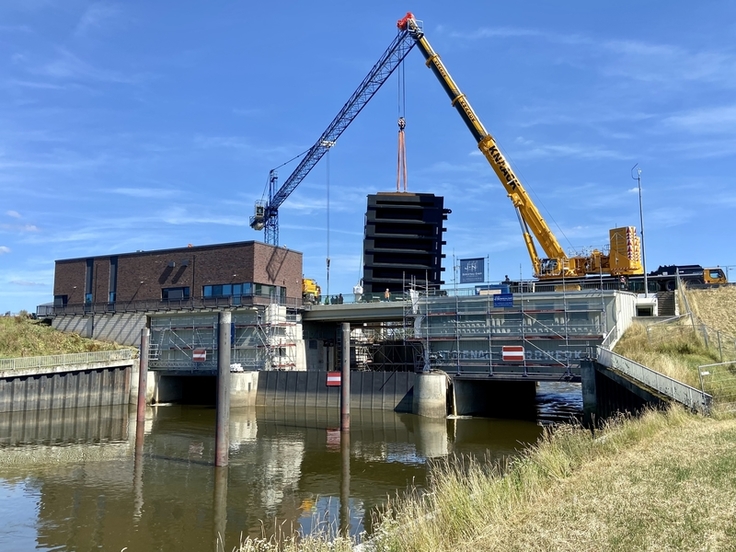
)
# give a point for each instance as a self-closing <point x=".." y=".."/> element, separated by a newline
<point x="625" y="254"/>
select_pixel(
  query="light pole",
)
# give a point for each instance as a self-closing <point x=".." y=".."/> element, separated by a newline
<point x="641" y="228"/>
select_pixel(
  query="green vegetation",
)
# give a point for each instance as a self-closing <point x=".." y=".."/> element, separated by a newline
<point x="21" y="336"/>
<point x="665" y="481"/>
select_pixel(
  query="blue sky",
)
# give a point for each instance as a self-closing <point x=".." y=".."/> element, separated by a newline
<point x="150" y="125"/>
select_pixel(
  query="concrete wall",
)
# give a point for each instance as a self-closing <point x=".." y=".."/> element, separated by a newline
<point x="123" y="328"/>
<point x="607" y="392"/>
<point x="374" y="390"/>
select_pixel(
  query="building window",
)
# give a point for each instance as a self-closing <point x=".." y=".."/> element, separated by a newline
<point x="113" y="285"/>
<point x="88" y="280"/>
<point x="176" y="293"/>
<point x="227" y="290"/>
<point x="60" y="300"/>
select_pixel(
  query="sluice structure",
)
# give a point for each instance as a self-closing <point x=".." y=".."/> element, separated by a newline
<point x="539" y="335"/>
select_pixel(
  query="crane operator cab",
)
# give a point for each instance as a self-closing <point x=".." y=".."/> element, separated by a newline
<point x="258" y="220"/>
<point x="548" y="267"/>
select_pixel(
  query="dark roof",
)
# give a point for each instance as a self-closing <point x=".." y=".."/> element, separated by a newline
<point x="188" y="249"/>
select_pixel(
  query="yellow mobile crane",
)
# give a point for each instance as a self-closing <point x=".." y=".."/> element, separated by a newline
<point x="624" y="257"/>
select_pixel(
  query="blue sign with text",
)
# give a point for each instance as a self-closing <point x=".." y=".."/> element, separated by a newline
<point x="501" y="300"/>
<point x="472" y="271"/>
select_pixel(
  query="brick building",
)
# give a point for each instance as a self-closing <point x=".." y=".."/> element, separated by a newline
<point x="240" y="273"/>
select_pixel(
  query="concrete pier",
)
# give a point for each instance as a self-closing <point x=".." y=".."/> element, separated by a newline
<point x="430" y="395"/>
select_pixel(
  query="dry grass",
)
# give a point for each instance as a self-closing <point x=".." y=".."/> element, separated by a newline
<point x="715" y="308"/>
<point x="673" y="350"/>
<point x="20" y="336"/>
<point x="666" y="481"/>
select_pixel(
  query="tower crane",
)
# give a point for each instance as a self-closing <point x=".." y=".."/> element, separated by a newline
<point x="266" y="216"/>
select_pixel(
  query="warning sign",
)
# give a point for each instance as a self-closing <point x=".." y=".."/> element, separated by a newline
<point x="512" y="353"/>
<point x="334" y="379"/>
<point x="199" y="355"/>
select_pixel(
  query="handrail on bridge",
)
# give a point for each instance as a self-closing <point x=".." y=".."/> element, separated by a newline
<point x="686" y="395"/>
<point x="50" y="361"/>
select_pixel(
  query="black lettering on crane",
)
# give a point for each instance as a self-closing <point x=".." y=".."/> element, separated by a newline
<point x="502" y="166"/>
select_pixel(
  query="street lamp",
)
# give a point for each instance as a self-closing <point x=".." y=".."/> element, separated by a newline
<point x="641" y="228"/>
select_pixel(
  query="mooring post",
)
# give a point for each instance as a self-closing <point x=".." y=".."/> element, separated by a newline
<point x="142" y="380"/>
<point x="345" y="379"/>
<point x="220" y="507"/>
<point x="345" y="484"/>
<point x="222" y="437"/>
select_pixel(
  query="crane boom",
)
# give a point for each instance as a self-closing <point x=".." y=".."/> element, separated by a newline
<point x="266" y="214"/>
<point x="624" y="257"/>
<point x="529" y="216"/>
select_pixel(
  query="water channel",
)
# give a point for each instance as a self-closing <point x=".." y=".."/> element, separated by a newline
<point x="75" y="479"/>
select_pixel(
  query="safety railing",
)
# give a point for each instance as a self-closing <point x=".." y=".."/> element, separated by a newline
<point x="43" y="311"/>
<point x="51" y="361"/>
<point x="678" y="391"/>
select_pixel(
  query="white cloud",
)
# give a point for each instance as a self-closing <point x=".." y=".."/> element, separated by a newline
<point x="20" y="227"/>
<point x="14" y="214"/>
<point x="26" y="283"/>
<point x="69" y="66"/>
<point x="706" y="120"/>
<point x="145" y="192"/>
<point x="95" y="15"/>
<point x="4" y="249"/>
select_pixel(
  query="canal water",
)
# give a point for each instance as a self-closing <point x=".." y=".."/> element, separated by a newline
<point x="76" y="479"/>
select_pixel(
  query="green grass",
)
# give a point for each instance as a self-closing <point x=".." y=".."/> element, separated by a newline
<point x="21" y="336"/>
<point x="661" y="482"/>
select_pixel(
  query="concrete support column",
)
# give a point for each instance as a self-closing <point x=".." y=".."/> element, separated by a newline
<point x="222" y="436"/>
<point x="430" y="395"/>
<point x="143" y="378"/>
<point x="590" y="398"/>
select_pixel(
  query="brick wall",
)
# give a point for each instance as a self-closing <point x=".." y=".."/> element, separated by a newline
<point x="142" y="275"/>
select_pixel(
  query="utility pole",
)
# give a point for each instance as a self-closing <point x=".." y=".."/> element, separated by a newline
<point x="641" y="228"/>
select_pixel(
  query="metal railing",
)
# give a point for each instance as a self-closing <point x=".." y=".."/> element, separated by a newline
<point x="678" y="391"/>
<point x="47" y="310"/>
<point x="51" y="361"/>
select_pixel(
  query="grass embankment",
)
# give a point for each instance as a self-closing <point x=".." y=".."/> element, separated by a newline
<point x="664" y="481"/>
<point x="677" y="349"/>
<point x="21" y="336"/>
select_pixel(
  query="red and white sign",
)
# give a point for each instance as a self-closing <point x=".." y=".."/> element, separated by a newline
<point x="199" y="355"/>
<point x="334" y="379"/>
<point x="512" y="353"/>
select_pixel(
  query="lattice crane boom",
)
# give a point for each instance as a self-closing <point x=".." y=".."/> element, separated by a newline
<point x="266" y="213"/>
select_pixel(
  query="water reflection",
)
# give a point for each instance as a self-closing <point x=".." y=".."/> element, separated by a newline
<point x="102" y="486"/>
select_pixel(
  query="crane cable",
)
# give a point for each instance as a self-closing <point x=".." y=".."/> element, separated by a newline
<point x="328" y="145"/>
<point x="401" y="171"/>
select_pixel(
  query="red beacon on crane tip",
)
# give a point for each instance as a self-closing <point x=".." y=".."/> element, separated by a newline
<point x="401" y="23"/>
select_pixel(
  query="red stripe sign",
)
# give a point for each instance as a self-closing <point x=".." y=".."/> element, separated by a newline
<point x="199" y="355"/>
<point x="334" y="379"/>
<point x="512" y="353"/>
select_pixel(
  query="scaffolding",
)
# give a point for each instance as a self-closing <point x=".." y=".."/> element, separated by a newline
<point x="261" y="339"/>
<point x="476" y="334"/>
